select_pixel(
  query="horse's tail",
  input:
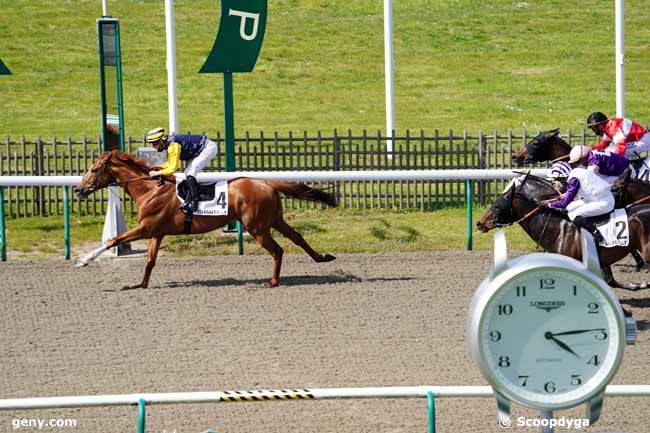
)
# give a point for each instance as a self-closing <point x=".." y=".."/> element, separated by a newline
<point x="303" y="192"/>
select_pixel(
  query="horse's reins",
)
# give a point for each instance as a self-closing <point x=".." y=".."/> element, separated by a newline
<point x="639" y="201"/>
<point x="559" y="158"/>
<point x="160" y="179"/>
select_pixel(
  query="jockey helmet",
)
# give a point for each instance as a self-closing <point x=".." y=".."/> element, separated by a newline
<point x="155" y="135"/>
<point x="578" y="152"/>
<point x="560" y="169"/>
<point x="596" y="118"/>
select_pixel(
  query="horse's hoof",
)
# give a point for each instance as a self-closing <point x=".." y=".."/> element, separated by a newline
<point x="136" y="286"/>
<point x="80" y="264"/>
<point x="327" y="258"/>
<point x="272" y="283"/>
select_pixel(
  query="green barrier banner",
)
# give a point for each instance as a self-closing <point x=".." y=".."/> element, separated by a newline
<point x="3" y="69"/>
<point x="240" y="36"/>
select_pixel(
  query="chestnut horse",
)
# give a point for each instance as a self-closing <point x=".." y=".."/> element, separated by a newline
<point x="254" y="202"/>
<point x="555" y="233"/>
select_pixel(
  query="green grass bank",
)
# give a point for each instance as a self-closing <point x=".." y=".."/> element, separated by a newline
<point x="459" y="64"/>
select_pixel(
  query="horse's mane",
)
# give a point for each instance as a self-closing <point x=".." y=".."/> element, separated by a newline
<point x="545" y="185"/>
<point x="128" y="159"/>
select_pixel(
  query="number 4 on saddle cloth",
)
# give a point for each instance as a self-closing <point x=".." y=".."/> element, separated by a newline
<point x="213" y="197"/>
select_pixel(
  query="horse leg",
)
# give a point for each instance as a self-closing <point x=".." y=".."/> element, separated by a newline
<point x="295" y="237"/>
<point x="611" y="281"/>
<point x="640" y="263"/>
<point x="276" y="251"/>
<point x="152" y="253"/>
<point x="128" y="236"/>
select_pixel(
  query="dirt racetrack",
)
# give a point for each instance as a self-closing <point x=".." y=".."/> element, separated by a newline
<point x="208" y="324"/>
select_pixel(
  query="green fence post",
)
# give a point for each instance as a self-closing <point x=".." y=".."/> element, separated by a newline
<point x="3" y="232"/>
<point x="66" y="222"/>
<point x="469" y="199"/>
<point x="432" y="412"/>
<point x="141" y="416"/>
<point x="240" y="237"/>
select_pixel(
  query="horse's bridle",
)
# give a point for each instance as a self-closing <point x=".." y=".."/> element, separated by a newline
<point x="529" y="214"/>
<point x="113" y="181"/>
<point x="541" y="139"/>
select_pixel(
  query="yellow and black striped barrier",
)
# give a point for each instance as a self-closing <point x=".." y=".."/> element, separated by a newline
<point x="267" y="395"/>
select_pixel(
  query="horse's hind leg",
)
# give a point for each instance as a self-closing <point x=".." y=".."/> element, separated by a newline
<point x="611" y="281"/>
<point x="276" y="251"/>
<point x="640" y="263"/>
<point x="152" y="254"/>
<point x="295" y="237"/>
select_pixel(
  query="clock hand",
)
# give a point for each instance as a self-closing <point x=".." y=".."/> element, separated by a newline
<point x="579" y="331"/>
<point x="549" y="336"/>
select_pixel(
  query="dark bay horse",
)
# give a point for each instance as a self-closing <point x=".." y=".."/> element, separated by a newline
<point x="556" y="234"/>
<point x="545" y="146"/>
<point x="256" y="203"/>
<point x="549" y="146"/>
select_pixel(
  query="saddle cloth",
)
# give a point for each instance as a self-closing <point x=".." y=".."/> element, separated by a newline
<point x="213" y="197"/>
<point x="615" y="230"/>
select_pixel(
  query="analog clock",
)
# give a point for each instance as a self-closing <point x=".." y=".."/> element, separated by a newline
<point x="546" y="331"/>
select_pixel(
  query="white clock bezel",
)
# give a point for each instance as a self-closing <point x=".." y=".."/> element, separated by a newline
<point x="506" y="271"/>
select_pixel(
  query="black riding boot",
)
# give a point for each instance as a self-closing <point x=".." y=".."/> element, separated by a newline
<point x="587" y="224"/>
<point x="192" y="201"/>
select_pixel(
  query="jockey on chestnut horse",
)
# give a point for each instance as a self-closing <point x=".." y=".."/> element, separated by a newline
<point x="255" y="203"/>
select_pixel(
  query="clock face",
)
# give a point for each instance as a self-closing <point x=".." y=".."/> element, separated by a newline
<point x="549" y="338"/>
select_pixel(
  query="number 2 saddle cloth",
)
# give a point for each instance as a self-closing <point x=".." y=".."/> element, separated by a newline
<point x="614" y="228"/>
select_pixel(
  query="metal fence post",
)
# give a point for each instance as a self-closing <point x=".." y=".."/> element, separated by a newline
<point x="468" y="200"/>
<point x="432" y="412"/>
<point x="3" y="232"/>
<point x="66" y="222"/>
<point x="141" y="416"/>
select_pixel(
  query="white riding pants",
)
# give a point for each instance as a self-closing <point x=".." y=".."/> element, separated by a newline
<point x="637" y="148"/>
<point x="590" y="209"/>
<point x="197" y="163"/>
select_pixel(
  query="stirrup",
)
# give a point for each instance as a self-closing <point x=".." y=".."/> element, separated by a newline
<point x="186" y="206"/>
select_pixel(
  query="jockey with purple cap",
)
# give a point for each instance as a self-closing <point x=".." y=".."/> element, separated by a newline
<point x="587" y="194"/>
<point x="608" y="165"/>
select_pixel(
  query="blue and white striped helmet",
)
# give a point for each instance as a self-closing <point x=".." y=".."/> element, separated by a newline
<point x="560" y="169"/>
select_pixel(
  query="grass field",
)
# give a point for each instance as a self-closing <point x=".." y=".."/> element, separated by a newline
<point x="459" y="64"/>
<point x="334" y="231"/>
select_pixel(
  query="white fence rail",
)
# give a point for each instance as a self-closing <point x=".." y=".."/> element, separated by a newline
<point x="141" y="400"/>
<point x="303" y="176"/>
<point x="284" y="394"/>
<point x="467" y="175"/>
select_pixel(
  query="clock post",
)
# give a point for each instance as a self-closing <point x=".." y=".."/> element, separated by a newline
<point x="547" y="332"/>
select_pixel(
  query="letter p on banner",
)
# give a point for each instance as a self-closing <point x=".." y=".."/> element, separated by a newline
<point x="240" y="36"/>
